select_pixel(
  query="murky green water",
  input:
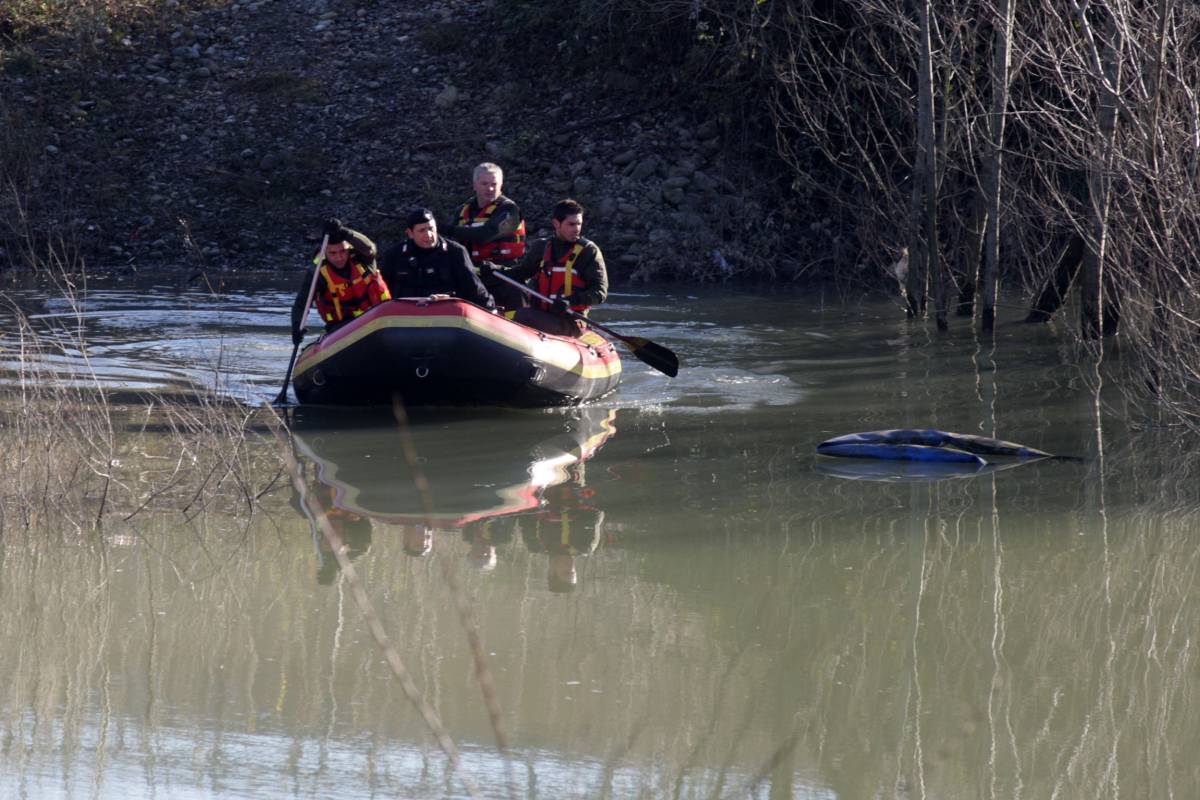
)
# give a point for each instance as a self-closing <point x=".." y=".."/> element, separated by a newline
<point x="675" y="597"/>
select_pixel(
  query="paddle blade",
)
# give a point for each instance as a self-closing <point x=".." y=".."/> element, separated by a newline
<point x="657" y="356"/>
<point x="282" y="398"/>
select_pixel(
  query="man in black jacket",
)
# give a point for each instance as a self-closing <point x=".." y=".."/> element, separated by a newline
<point x="426" y="264"/>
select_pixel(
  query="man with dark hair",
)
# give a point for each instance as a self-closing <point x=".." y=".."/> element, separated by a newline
<point x="348" y="283"/>
<point x="426" y="264"/>
<point x="566" y="267"/>
<point x="489" y="225"/>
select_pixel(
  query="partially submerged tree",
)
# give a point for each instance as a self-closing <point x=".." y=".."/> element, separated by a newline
<point x="1082" y="174"/>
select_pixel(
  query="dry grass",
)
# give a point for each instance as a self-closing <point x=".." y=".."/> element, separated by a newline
<point x="91" y="23"/>
<point x="72" y="456"/>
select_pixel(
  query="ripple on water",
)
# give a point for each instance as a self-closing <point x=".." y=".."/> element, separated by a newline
<point x="700" y="389"/>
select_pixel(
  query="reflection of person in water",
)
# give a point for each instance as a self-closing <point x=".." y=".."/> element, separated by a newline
<point x="483" y="536"/>
<point x="355" y="530"/>
<point x="568" y="527"/>
<point x="356" y="533"/>
<point x="416" y="540"/>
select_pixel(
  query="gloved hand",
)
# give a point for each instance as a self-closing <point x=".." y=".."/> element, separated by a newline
<point x="486" y="269"/>
<point x="298" y="335"/>
<point x="334" y="230"/>
<point x="559" y="306"/>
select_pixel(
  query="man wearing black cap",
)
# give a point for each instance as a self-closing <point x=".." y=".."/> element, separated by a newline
<point x="426" y="264"/>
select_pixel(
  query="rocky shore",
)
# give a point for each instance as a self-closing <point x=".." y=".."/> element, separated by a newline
<point x="222" y="139"/>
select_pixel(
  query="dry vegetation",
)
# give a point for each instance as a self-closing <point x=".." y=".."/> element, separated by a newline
<point x="73" y="456"/>
<point x="1039" y="146"/>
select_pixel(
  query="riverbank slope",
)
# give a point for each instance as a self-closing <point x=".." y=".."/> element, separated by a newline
<point x="218" y="136"/>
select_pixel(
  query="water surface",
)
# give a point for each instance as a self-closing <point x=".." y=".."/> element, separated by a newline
<point x="675" y="596"/>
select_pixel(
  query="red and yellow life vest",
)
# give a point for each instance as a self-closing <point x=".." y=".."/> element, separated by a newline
<point x="559" y="276"/>
<point x="504" y="249"/>
<point x="349" y="297"/>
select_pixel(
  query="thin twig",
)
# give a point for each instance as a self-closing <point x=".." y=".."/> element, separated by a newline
<point x="482" y="673"/>
<point x="367" y="609"/>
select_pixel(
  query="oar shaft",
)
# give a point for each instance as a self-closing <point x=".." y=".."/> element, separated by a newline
<point x="550" y="300"/>
<point x="312" y="291"/>
<point x="312" y="286"/>
<point x="657" y="356"/>
<point x="529" y="290"/>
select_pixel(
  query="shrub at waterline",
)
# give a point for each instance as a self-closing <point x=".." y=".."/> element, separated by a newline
<point x="71" y="456"/>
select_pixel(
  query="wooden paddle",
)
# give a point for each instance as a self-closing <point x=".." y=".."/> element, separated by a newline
<point x="281" y="399"/>
<point x="655" y="355"/>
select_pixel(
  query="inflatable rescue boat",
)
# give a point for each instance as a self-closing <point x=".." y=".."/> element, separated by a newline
<point x="447" y="351"/>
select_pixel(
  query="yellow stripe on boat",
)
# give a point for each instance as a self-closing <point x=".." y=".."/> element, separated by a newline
<point x="547" y="351"/>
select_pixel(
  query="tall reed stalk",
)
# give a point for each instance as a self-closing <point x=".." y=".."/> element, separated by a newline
<point x="72" y="456"/>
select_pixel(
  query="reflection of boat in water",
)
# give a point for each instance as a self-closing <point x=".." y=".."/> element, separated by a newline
<point x="446" y="352"/>
<point x="476" y="467"/>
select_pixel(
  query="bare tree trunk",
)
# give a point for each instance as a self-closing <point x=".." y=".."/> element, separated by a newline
<point x="928" y="154"/>
<point x="924" y="264"/>
<point x="1159" y="325"/>
<point x="1108" y="78"/>
<point x="1058" y="283"/>
<point x="1001" y="63"/>
<point x="971" y="251"/>
<point x="917" y="283"/>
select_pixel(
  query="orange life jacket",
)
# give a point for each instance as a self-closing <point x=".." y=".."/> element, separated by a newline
<point x="506" y="249"/>
<point x="349" y="297"/>
<point x="559" y="276"/>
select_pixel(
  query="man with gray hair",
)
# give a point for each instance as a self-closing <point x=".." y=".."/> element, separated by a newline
<point x="490" y="226"/>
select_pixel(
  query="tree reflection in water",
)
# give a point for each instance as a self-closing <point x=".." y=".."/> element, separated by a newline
<point x="998" y="636"/>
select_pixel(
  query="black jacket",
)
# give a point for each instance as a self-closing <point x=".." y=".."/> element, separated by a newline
<point x="444" y="268"/>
